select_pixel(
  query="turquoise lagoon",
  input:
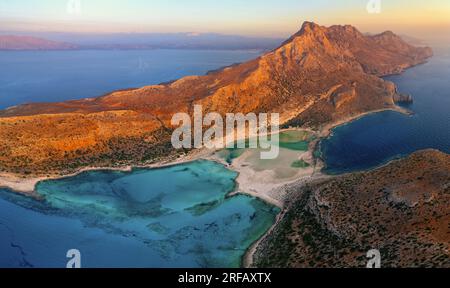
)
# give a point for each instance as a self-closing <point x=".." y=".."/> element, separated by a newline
<point x="172" y="217"/>
<point x="292" y="143"/>
<point x="178" y="216"/>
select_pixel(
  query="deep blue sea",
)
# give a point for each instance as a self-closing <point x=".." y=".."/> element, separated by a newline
<point x="51" y="76"/>
<point x="377" y="138"/>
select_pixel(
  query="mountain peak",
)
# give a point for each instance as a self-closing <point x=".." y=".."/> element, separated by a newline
<point x="388" y="33"/>
<point x="309" y="26"/>
<point x="313" y="30"/>
<point x="308" y="29"/>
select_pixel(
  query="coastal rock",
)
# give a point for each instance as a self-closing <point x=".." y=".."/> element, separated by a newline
<point x="403" y="98"/>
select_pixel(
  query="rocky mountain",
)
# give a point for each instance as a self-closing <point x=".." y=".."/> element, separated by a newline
<point x="11" y="42"/>
<point x="401" y="209"/>
<point x="318" y="76"/>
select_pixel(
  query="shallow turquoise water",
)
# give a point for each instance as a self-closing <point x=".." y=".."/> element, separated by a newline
<point x="291" y="140"/>
<point x="172" y="217"/>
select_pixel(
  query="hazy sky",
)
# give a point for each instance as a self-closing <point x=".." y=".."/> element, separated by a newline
<point x="275" y="18"/>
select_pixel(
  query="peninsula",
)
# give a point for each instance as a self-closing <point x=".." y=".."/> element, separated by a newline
<point x="318" y="77"/>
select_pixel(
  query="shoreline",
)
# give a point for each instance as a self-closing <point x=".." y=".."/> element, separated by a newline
<point x="27" y="186"/>
<point x="248" y="258"/>
<point x="323" y="133"/>
<point x="326" y="131"/>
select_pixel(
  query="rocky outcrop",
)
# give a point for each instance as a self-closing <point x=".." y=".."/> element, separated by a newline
<point x="319" y="75"/>
<point x="401" y="209"/>
<point x="403" y="98"/>
<point x="343" y="95"/>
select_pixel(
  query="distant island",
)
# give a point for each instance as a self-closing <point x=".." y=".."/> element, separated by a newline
<point x="134" y="41"/>
<point x="13" y="42"/>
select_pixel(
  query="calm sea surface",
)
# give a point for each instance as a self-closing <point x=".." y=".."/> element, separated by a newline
<point x="50" y="76"/>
